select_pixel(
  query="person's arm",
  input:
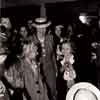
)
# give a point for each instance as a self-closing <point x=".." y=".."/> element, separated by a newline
<point x="98" y="57"/>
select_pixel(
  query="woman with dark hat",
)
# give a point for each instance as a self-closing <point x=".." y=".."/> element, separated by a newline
<point x="48" y="62"/>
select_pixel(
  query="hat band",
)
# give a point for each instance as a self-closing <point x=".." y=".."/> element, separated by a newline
<point x="41" y="25"/>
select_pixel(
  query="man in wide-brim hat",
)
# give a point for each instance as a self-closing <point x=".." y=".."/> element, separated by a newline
<point x="83" y="91"/>
<point x="44" y="37"/>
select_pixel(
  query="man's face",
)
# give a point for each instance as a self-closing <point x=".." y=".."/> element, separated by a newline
<point x="41" y="30"/>
<point x="58" y="31"/>
<point x="23" y="31"/>
<point x="29" y="24"/>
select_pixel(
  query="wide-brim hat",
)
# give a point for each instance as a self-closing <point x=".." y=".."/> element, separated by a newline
<point x="41" y="22"/>
<point x="82" y="85"/>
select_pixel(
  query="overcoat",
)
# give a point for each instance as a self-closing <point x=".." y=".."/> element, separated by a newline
<point x="48" y="62"/>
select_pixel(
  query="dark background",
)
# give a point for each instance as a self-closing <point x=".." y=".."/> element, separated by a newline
<point x="62" y="11"/>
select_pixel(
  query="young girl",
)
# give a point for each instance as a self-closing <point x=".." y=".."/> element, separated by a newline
<point x="67" y="64"/>
<point x="33" y="79"/>
<point x="66" y="72"/>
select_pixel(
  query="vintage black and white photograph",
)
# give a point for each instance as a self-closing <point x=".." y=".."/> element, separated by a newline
<point x="49" y="49"/>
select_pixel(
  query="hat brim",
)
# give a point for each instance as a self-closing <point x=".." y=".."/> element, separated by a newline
<point x="59" y="26"/>
<point x="84" y="85"/>
<point x="44" y="25"/>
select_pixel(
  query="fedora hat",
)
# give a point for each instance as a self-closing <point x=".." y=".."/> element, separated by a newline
<point x="87" y="91"/>
<point x="41" y="22"/>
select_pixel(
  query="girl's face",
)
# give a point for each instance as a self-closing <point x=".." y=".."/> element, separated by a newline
<point x="66" y="49"/>
<point x="30" y="51"/>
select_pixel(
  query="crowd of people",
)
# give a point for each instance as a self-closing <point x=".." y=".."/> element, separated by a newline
<point x="42" y="61"/>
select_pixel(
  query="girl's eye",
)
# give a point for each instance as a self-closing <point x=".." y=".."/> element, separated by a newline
<point x="67" y="49"/>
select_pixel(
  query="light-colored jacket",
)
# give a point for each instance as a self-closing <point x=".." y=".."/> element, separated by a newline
<point x="22" y="76"/>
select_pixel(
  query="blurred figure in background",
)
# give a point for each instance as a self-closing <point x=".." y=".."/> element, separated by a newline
<point x="29" y="24"/>
<point x="23" y="33"/>
<point x="58" y="34"/>
<point x="31" y="29"/>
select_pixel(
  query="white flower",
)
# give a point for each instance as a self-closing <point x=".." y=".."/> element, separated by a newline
<point x="69" y="75"/>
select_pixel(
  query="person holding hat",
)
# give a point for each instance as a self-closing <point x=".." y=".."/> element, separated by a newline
<point x="44" y="37"/>
<point x="83" y="91"/>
